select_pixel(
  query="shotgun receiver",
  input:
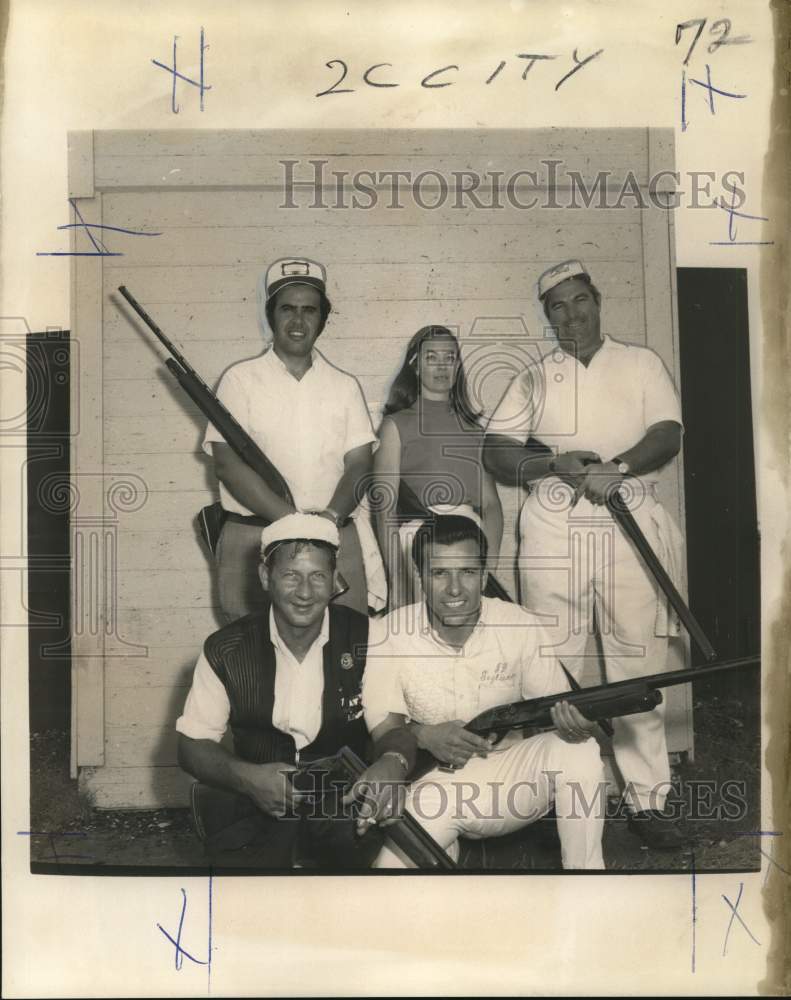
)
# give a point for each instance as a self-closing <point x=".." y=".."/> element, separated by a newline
<point x="604" y="701"/>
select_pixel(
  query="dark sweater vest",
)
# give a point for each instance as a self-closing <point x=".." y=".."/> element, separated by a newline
<point x="243" y="658"/>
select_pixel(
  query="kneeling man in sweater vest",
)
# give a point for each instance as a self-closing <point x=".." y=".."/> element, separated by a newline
<point x="287" y="681"/>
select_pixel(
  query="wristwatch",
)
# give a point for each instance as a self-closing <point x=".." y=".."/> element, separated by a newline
<point x="399" y="757"/>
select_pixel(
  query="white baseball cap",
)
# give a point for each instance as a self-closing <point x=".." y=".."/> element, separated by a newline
<point x="558" y="273"/>
<point x="294" y="271"/>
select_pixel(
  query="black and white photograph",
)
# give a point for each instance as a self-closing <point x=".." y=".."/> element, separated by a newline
<point x="384" y="351"/>
<point x="389" y="511"/>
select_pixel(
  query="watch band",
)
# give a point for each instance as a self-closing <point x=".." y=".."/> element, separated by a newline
<point x="399" y="757"/>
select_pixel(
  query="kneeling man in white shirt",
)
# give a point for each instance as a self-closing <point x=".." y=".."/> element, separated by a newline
<point x="434" y="666"/>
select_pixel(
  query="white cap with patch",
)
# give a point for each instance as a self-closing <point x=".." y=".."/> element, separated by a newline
<point x="294" y="271"/>
<point x="558" y="273"/>
<point x="294" y="527"/>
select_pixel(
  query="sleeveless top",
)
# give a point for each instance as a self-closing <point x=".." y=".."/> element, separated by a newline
<point x="243" y="658"/>
<point x="440" y="457"/>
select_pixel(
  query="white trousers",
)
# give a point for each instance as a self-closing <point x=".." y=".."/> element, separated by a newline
<point x="577" y="564"/>
<point x="509" y="789"/>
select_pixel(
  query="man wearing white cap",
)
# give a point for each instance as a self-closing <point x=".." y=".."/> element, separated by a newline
<point x="311" y="421"/>
<point x="435" y="665"/>
<point x="287" y="681"/>
<point x="609" y="417"/>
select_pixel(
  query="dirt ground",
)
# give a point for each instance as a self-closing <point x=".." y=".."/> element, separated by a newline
<point x="716" y="796"/>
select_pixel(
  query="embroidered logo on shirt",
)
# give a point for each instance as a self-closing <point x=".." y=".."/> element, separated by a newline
<point x="500" y="675"/>
<point x="347" y="661"/>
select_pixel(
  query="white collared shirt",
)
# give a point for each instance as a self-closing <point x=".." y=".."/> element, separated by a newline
<point x="410" y="671"/>
<point x="299" y="687"/>
<point x="304" y="426"/>
<point x="606" y="407"/>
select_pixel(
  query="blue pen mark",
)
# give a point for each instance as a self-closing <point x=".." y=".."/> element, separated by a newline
<point x="684" y="101"/>
<point x="711" y="90"/>
<point x="202" y="87"/>
<point x="208" y="970"/>
<point x="114" y="229"/>
<point x="735" y="915"/>
<point x="758" y="833"/>
<point x="709" y="86"/>
<point x="180" y="952"/>
<point x="694" y="909"/>
<point x="99" y="248"/>
<point x="58" y="856"/>
<point x="733" y="214"/>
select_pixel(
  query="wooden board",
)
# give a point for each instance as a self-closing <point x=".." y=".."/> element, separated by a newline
<point x="217" y="200"/>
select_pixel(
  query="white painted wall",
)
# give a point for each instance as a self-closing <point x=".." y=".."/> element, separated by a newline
<point x="215" y="199"/>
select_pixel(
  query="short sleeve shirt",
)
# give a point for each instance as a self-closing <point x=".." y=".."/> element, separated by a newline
<point x="304" y="426"/>
<point x="410" y="671"/>
<point x="606" y="407"/>
<point x="299" y="688"/>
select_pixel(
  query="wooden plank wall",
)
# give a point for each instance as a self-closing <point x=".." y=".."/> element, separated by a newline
<point x="217" y="200"/>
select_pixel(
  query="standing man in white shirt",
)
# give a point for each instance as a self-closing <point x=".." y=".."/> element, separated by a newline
<point x="609" y="417"/>
<point x="287" y="682"/>
<point x="310" y="419"/>
<point x="434" y="666"/>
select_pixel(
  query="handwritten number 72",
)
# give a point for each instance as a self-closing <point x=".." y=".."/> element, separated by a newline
<point x="720" y="29"/>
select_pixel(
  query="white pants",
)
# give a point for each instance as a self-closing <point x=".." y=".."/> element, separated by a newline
<point x="577" y="563"/>
<point x="509" y="789"/>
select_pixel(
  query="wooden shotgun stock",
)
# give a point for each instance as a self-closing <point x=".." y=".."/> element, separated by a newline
<point x="406" y="833"/>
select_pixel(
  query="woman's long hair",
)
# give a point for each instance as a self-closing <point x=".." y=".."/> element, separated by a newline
<point x="406" y="385"/>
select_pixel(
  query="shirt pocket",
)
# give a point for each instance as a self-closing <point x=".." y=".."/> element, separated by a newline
<point x="499" y="686"/>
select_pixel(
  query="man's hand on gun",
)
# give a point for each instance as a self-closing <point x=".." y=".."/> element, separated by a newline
<point x="570" y="724"/>
<point x="450" y="743"/>
<point x="381" y="793"/>
<point x="269" y="786"/>
<point x="572" y="466"/>
<point x="599" y="482"/>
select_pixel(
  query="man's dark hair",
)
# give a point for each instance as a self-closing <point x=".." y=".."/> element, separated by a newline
<point x="295" y="545"/>
<point x="582" y="277"/>
<point x="447" y="529"/>
<point x="325" y="307"/>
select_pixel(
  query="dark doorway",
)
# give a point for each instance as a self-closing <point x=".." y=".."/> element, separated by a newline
<point x="723" y="550"/>
<point x="49" y="501"/>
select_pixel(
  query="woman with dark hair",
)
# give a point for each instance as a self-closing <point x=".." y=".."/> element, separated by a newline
<point x="429" y="458"/>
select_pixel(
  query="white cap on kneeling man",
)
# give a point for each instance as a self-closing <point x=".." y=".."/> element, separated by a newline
<point x="299" y="527"/>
